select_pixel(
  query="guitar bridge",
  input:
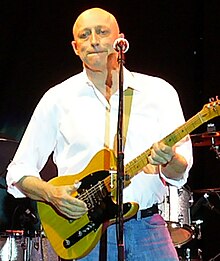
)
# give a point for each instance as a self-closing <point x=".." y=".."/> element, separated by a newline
<point x="113" y="175"/>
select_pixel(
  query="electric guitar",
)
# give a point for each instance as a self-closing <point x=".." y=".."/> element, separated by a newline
<point x="72" y="239"/>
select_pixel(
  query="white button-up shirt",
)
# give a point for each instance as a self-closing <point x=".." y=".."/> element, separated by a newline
<point x="75" y="121"/>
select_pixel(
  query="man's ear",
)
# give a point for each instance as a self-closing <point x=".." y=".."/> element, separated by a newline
<point x="74" y="45"/>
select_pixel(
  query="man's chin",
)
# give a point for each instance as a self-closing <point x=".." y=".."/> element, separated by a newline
<point x="95" y="67"/>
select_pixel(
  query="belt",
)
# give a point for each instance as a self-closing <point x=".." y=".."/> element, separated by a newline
<point x="146" y="212"/>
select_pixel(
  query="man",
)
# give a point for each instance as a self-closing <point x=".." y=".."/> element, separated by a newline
<point x="78" y="118"/>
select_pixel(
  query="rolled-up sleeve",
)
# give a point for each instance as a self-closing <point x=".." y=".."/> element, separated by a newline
<point x="35" y="147"/>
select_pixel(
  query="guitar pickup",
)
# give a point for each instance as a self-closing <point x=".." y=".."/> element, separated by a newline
<point x="74" y="238"/>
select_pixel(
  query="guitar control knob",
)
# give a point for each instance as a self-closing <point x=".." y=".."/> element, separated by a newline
<point x="66" y="243"/>
<point x="80" y="233"/>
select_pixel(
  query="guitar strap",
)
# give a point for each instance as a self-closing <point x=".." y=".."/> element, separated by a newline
<point x="128" y="95"/>
<point x="127" y="110"/>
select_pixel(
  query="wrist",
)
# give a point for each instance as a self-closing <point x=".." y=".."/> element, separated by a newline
<point x="175" y="168"/>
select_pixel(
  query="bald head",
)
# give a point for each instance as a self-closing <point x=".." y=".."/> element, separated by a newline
<point x="94" y="15"/>
<point x="95" y="31"/>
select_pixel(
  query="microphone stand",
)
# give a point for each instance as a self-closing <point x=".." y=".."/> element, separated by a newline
<point x="120" y="161"/>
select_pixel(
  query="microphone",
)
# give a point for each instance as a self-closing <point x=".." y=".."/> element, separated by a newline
<point x="121" y="44"/>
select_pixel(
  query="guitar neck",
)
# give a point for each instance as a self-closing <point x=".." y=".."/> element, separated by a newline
<point x="136" y="165"/>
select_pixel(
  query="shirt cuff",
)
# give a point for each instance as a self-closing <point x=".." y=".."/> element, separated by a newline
<point x="14" y="174"/>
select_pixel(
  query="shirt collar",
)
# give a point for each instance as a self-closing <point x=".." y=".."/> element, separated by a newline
<point x="129" y="80"/>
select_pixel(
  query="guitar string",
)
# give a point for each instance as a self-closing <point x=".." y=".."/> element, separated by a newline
<point x="129" y="167"/>
<point x="100" y="186"/>
<point x="106" y="182"/>
<point x="103" y="185"/>
<point x="96" y="188"/>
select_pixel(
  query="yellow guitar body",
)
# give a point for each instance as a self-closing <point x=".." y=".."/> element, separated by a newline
<point x="86" y="231"/>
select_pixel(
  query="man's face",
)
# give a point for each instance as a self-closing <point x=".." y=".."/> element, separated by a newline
<point x="94" y="34"/>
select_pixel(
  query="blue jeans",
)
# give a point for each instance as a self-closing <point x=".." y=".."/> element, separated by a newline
<point x="146" y="239"/>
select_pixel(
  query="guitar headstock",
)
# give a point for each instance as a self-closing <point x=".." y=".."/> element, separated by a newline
<point x="211" y="109"/>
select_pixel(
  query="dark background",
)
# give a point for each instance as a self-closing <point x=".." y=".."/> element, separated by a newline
<point x="175" y="40"/>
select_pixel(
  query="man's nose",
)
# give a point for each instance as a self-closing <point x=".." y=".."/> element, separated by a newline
<point x="94" y="39"/>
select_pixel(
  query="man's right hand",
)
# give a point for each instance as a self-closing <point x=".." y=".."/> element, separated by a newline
<point x="65" y="203"/>
<point x="59" y="196"/>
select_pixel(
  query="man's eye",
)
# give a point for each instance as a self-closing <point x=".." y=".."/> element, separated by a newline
<point x="102" y="32"/>
<point x="84" y="35"/>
